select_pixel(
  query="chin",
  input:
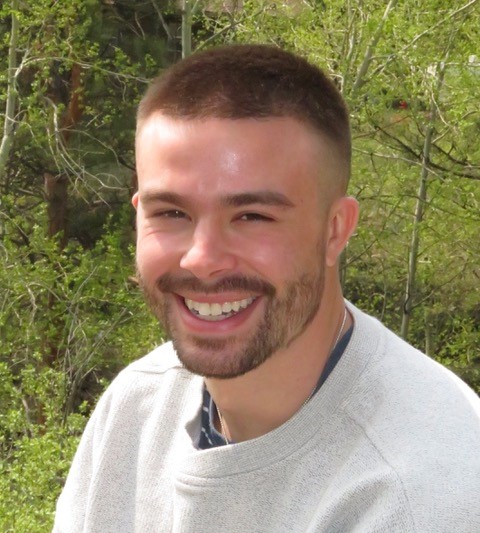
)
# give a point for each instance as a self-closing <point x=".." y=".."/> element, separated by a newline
<point x="217" y="358"/>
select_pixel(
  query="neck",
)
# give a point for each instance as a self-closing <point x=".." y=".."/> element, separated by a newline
<point x="265" y="398"/>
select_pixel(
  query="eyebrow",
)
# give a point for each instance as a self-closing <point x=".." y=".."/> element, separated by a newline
<point x="150" y="197"/>
<point x="271" y="198"/>
<point x="258" y="197"/>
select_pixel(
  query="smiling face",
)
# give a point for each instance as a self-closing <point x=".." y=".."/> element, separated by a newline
<point x="233" y="226"/>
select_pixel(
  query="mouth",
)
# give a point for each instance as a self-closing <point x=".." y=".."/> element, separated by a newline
<point x="215" y="312"/>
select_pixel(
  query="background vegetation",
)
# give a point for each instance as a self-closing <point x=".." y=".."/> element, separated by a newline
<point x="71" y="74"/>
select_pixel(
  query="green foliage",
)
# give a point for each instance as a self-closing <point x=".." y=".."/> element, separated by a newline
<point x="34" y="457"/>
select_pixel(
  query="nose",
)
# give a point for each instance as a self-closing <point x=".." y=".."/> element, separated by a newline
<point x="209" y="253"/>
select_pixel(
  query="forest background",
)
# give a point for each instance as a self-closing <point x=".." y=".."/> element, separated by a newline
<point x="71" y="75"/>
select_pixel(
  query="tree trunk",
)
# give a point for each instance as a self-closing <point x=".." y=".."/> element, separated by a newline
<point x="410" y="288"/>
<point x="56" y="193"/>
<point x="8" y="126"/>
<point x="186" y="28"/>
<point x="56" y="187"/>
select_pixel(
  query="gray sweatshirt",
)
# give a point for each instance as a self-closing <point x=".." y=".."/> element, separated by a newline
<point x="390" y="443"/>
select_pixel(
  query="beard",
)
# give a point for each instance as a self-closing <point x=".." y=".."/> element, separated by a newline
<point x="285" y="317"/>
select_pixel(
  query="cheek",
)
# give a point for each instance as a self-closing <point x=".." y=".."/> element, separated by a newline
<point x="155" y="256"/>
<point x="278" y="259"/>
<point x="299" y="255"/>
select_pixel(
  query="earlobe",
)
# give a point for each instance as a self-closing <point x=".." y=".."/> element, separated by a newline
<point x="135" y="200"/>
<point x="342" y="223"/>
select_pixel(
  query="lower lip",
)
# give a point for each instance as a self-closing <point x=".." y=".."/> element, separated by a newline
<point x="219" y="327"/>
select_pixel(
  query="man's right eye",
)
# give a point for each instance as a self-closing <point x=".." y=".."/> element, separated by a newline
<point x="170" y="213"/>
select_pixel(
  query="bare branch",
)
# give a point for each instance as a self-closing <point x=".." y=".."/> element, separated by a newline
<point x="362" y="71"/>
<point x="428" y="31"/>
<point x="9" y="123"/>
<point x="162" y="20"/>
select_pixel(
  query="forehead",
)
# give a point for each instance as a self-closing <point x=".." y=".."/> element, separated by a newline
<point x="229" y="155"/>
<point x="237" y="133"/>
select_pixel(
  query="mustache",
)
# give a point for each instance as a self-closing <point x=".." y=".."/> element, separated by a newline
<point x="169" y="283"/>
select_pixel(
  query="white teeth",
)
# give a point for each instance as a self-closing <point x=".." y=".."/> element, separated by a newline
<point x="203" y="309"/>
<point x="226" y="307"/>
<point x="216" y="310"/>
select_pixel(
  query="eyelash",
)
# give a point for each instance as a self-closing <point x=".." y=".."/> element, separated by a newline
<point x="255" y="217"/>
<point x="171" y="213"/>
<point x="177" y="214"/>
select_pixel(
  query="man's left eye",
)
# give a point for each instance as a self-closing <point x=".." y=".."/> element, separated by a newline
<point x="255" y="217"/>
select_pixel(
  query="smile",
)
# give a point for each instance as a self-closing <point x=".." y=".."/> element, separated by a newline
<point x="215" y="311"/>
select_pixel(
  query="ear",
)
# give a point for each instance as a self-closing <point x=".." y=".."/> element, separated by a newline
<point x="342" y="221"/>
<point x="135" y="200"/>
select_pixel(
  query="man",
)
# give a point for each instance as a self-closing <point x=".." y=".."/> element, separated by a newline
<point x="280" y="407"/>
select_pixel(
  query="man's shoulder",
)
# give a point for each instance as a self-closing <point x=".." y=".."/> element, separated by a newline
<point x="161" y="359"/>
<point x="159" y="375"/>
<point x="398" y="368"/>
<point x="154" y="387"/>
<point x="404" y="400"/>
<point x="420" y="420"/>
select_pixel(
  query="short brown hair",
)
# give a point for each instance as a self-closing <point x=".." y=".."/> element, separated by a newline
<point x="250" y="81"/>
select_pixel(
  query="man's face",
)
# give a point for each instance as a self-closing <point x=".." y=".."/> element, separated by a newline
<point x="231" y="235"/>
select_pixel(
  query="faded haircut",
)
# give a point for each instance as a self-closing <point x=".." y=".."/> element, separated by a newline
<point x="251" y="81"/>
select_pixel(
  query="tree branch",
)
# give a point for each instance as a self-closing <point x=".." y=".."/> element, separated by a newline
<point x="360" y="79"/>
<point x="9" y="123"/>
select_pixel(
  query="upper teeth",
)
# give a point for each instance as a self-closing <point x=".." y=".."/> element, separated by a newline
<point x="215" y="309"/>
